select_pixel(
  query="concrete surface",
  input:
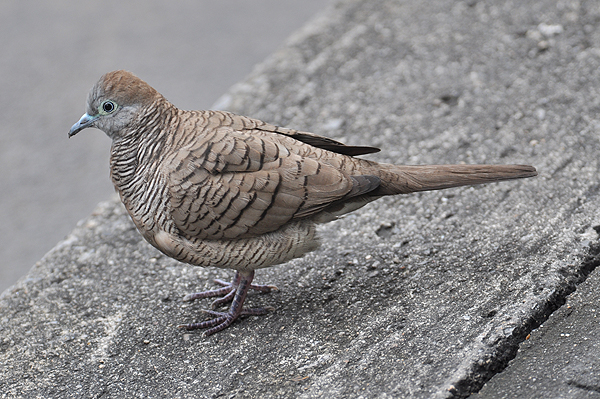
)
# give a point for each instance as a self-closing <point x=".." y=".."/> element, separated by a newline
<point x="53" y="52"/>
<point x="427" y="295"/>
<point x="560" y="359"/>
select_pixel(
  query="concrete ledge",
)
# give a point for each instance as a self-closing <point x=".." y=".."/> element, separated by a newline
<point x="426" y="295"/>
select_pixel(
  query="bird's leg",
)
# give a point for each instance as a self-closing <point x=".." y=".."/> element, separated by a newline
<point x="228" y="290"/>
<point x="223" y="320"/>
<point x="236" y="281"/>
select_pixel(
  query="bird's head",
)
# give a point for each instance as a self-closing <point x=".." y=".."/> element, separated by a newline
<point x="114" y="103"/>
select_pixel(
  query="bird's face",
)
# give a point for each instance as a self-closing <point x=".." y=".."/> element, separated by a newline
<point x="114" y="103"/>
<point x="108" y="115"/>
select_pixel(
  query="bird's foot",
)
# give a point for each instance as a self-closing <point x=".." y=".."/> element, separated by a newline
<point x="236" y="293"/>
<point x="223" y="320"/>
<point x="228" y="290"/>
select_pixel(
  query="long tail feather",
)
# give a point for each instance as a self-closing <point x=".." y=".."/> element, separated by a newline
<point x="397" y="179"/>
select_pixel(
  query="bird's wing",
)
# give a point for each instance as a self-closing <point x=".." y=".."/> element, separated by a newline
<point x="319" y="141"/>
<point x="246" y="183"/>
<point x="217" y="119"/>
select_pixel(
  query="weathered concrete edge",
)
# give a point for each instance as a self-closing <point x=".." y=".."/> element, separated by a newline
<point x="470" y="377"/>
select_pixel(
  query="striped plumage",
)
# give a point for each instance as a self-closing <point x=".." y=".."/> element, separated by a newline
<point x="212" y="188"/>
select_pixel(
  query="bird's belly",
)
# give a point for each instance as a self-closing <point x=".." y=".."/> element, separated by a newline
<point x="291" y="241"/>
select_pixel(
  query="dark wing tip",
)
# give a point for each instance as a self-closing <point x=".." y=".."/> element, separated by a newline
<point x="359" y="150"/>
<point x="333" y="145"/>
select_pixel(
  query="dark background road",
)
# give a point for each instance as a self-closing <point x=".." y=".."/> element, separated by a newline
<point x="53" y="52"/>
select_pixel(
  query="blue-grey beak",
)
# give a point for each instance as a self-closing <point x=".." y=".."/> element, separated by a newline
<point x="85" y="121"/>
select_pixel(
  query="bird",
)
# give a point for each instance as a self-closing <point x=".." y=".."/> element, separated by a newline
<point x="217" y="189"/>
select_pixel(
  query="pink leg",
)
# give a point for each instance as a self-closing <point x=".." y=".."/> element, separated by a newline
<point x="236" y="293"/>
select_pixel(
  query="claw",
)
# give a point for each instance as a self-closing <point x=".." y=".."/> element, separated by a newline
<point x="228" y="290"/>
<point x="235" y="292"/>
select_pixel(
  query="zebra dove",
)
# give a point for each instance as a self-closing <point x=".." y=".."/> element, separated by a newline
<point x="212" y="188"/>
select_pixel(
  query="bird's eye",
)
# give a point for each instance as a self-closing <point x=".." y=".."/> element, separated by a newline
<point x="107" y="107"/>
